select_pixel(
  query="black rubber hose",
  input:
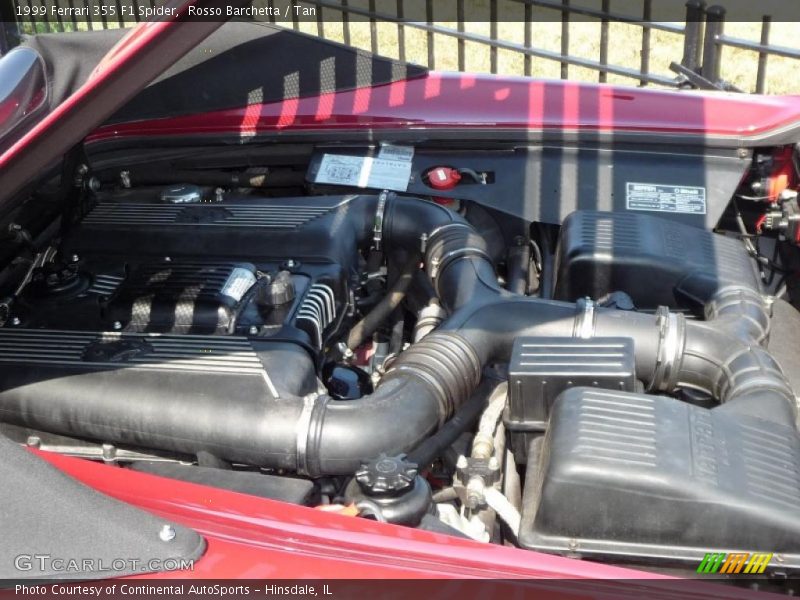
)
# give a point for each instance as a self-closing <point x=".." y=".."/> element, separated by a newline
<point x="517" y="268"/>
<point x="715" y="357"/>
<point x="744" y="377"/>
<point x="381" y="311"/>
<point x="485" y="321"/>
<point x="421" y="390"/>
<point x="464" y="418"/>
<point x="143" y="408"/>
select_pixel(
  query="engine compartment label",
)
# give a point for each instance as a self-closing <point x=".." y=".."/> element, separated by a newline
<point x="364" y="172"/>
<point x="395" y="152"/>
<point x="665" y="198"/>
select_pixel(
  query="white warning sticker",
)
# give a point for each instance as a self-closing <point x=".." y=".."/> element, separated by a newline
<point x="364" y="172"/>
<point x="665" y="198"/>
<point x="394" y="152"/>
<point x="239" y="281"/>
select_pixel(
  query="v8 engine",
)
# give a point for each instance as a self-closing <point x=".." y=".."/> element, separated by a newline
<point x="608" y="388"/>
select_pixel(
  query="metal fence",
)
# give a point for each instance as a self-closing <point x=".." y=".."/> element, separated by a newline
<point x="702" y="32"/>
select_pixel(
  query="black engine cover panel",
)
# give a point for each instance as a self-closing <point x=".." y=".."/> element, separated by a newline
<point x="240" y="228"/>
<point x="650" y="477"/>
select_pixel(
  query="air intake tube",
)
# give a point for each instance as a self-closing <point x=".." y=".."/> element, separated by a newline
<point x="316" y="435"/>
<point x="720" y="356"/>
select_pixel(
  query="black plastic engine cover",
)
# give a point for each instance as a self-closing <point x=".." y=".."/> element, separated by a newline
<point x="656" y="261"/>
<point x="242" y="228"/>
<point x="652" y="479"/>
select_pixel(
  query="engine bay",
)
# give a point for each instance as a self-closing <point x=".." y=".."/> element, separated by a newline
<point x="615" y="385"/>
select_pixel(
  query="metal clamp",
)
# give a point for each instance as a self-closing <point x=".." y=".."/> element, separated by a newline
<point x="672" y="334"/>
<point x="311" y="403"/>
<point x="438" y="264"/>
<point x="448" y="226"/>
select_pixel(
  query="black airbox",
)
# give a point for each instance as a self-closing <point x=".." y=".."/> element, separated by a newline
<point x="656" y="261"/>
<point x="655" y="480"/>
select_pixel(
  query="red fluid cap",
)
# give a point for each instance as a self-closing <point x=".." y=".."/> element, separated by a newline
<point x="443" y="178"/>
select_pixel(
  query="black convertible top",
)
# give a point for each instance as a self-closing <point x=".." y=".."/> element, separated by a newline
<point x="241" y="63"/>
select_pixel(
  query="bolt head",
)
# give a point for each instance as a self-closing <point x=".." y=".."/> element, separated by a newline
<point x="291" y="263"/>
<point x="461" y="463"/>
<point x="15" y="321"/>
<point x="494" y="464"/>
<point x="75" y="258"/>
<point x="253" y="330"/>
<point x="167" y="533"/>
<point x="117" y="325"/>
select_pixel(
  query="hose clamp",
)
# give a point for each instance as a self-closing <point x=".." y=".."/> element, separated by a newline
<point x="584" y="319"/>
<point x="436" y="264"/>
<point x="303" y="432"/>
<point x="672" y="334"/>
<point x="377" y="229"/>
<point x="452" y="225"/>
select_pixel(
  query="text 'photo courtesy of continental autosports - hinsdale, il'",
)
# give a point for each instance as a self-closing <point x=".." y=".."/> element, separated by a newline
<point x="529" y="327"/>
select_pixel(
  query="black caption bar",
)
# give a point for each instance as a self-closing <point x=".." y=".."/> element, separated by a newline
<point x="664" y="12"/>
<point x="174" y="589"/>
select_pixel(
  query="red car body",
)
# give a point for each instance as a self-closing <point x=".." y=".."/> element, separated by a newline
<point x="249" y="537"/>
<point x="471" y="102"/>
<point x="255" y="538"/>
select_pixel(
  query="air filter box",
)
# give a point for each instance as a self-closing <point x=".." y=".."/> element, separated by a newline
<point x="653" y="480"/>
<point x="656" y="261"/>
<point x="541" y="368"/>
